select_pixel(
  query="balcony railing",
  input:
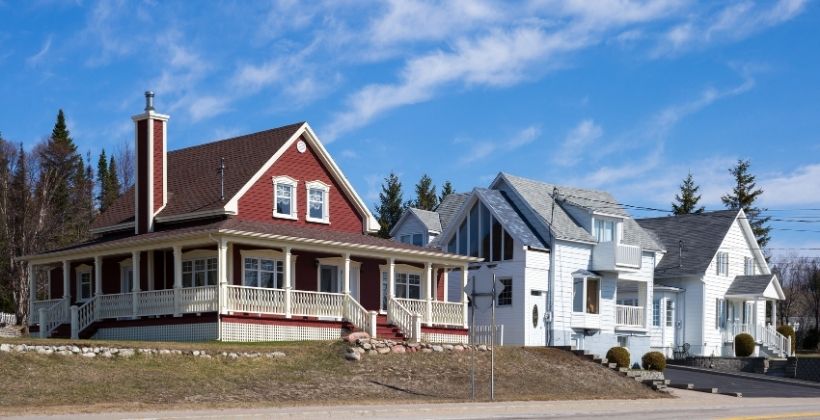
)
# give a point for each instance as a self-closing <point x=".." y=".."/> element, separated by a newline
<point x="612" y="256"/>
<point x="630" y="316"/>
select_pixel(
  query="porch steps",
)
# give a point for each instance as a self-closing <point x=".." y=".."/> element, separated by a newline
<point x="62" y="331"/>
<point x="383" y="329"/>
<point x="777" y="368"/>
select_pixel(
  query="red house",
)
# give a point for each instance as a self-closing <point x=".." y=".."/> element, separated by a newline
<point x="254" y="238"/>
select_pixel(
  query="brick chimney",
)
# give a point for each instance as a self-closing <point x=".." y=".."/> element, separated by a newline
<point x="151" y="189"/>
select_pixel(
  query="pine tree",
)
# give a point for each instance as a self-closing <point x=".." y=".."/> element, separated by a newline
<point x="446" y="190"/>
<point x="743" y="196"/>
<point x="113" y="182"/>
<point x="687" y="200"/>
<point x="426" y="198"/>
<point x="390" y="206"/>
<point x="59" y="164"/>
<point x="102" y="181"/>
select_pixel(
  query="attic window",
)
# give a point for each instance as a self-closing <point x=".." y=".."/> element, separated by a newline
<point x="284" y="197"/>
<point x="317" y="202"/>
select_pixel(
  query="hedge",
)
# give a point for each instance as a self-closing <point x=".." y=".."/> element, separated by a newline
<point x="744" y="345"/>
<point x="654" y="360"/>
<point x="619" y="355"/>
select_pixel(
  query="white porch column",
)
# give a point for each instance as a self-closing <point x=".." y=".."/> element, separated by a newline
<point x="177" y="279"/>
<point x="428" y="298"/>
<point x="288" y="273"/>
<point x="346" y="288"/>
<point x="66" y="280"/>
<point x="222" y="273"/>
<point x="774" y="313"/>
<point x="464" y="300"/>
<point x="97" y="275"/>
<point x="32" y="294"/>
<point x="446" y="279"/>
<point x="391" y="278"/>
<point x="644" y="297"/>
<point x="135" y="289"/>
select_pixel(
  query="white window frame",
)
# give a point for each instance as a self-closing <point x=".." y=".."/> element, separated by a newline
<point x="193" y="256"/>
<point x="669" y="313"/>
<point x="601" y="220"/>
<point x="268" y="254"/>
<point x="339" y="263"/>
<point x="748" y="266"/>
<point x="656" y="312"/>
<point x="585" y="291"/>
<point x="80" y="271"/>
<point x="285" y="180"/>
<point x="411" y="238"/>
<point x="325" y="189"/>
<point x="722" y="263"/>
<point x="384" y="277"/>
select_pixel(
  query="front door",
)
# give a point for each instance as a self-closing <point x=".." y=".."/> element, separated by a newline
<point x="537" y="318"/>
<point x="329" y="279"/>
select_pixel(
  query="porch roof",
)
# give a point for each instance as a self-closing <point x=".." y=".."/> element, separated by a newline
<point x="756" y="286"/>
<point x="281" y="233"/>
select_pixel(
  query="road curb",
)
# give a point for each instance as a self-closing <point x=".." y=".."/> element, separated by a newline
<point x="753" y="376"/>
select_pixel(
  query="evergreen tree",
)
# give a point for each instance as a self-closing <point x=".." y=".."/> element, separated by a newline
<point x="114" y="187"/>
<point x="687" y="200"/>
<point x="59" y="164"/>
<point x="446" y="190"/>
<point x="743" y="196"/>
<point x="426" y="198"/>
<point x="390" y="206"/>
<point x="103" y="181"/>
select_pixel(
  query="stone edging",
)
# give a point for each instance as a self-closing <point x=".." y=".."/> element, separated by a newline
<point x="373" y="346"/>
<point x="111" y="352"/>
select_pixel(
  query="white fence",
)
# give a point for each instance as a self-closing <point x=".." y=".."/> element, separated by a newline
<point x="8" y="319"/>
<point x="483" y="334"/>
<point x="630" y="316"/>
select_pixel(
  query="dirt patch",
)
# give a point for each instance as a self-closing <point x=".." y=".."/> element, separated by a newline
<point x="312" y="373"/>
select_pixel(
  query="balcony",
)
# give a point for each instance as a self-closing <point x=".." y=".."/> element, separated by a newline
<point x="630" y="317"/>
<point x="585" y="321"/>
<point x="612" y="256"/>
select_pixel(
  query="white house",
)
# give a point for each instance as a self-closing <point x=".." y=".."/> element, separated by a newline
<point x="577" y="270"/>
<point x="713" y="284"/>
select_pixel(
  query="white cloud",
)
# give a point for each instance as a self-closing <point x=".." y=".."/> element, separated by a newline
<point x="800" y="186"/>
<point x="35" y="59"/>
<point x="576" y="143"/>
<point x="475" y="151"/>
<point x="206" y="106"/>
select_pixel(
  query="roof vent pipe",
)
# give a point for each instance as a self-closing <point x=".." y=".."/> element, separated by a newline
<point x="149" y="100"/>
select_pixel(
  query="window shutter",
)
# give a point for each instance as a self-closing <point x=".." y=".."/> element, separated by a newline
<point x="717" y="313"/>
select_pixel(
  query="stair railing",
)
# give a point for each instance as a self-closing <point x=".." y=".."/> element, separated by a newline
<point x="51" y="318"/>
<point x="82" y="317"/>
<point x="408" y="323"/>
<point x="357" y="315"/>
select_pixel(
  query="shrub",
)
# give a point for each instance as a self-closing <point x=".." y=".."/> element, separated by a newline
<point x="744" y="345"/>
<point x="654" y="360"/>
<point x="811" y="340"/>
<point x="619" y="355"/>
<point x="788" y="331"/>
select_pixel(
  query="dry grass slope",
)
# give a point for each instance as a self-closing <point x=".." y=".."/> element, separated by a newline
<point x="312" y="373"/>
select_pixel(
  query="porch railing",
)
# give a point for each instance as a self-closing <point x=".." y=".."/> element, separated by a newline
<point x="258" y="300"/>
<point x="630" y="316"/>
<point x="409" y="323"/>
<point x="51" y="317"/>
<point x="82" y="317"/>
<point x="34" y="315"/>
<point x="441" y="313"/>
<point x="317" y="304"/>
<point x="766" y="335"/>
<point x="357" y="315"/>
<point x="119" y="305"/>
<point x="198" y="299"/>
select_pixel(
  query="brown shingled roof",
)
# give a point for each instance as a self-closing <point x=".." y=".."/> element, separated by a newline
<point x="193" y="182"/>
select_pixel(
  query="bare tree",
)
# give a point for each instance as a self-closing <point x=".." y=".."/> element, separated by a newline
<point x="788" y="270"/>
<point x="125" y="165"/>
<point x="810" y="271"/>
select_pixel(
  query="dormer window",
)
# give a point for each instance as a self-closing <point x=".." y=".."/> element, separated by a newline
<point x="317" y="202"/>
<point x="603" y="230"/>
<point x="284" y="197"/>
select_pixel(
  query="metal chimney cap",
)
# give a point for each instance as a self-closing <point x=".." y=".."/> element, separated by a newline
<point x="149" y="100"/>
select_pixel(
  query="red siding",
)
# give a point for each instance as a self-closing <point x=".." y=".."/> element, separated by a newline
<point x="257" y="203"/>
<point x="142" y="177"/>
<point x="370" y="283"/>
<point x="159" y="152"/>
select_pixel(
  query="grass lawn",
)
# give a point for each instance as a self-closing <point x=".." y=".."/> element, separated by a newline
<point x="312" y="373"/>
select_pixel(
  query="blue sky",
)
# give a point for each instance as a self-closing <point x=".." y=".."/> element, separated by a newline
<point x="625" y="96"/>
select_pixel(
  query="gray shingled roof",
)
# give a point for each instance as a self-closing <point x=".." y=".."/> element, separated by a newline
<point x="750" y="285"/>
<point x="429" y="219"/>
<point x="449" y="207"/>
<point x="701" y="234"/>
<point x="510" y="218"/>
<point x="539" y="196"/>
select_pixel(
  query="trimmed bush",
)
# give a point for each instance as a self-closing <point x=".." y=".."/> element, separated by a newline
<point x="788" y="331"/>
<point x="744" y="345"/>
<point x="619" y="355"/>
<point x="654" y="360"/>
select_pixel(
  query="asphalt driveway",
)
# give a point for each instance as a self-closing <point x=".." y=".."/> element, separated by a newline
<point x="750" y="388"/>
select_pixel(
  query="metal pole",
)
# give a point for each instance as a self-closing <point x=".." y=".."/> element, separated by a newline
<point x="472" y="331"/>
<point x="492" y="347"/>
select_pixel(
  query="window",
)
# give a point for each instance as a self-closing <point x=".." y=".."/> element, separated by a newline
<point x="408" y="286"/>
<point x="329" y="279"/>
<point x="656" y="313"/>
<point x="284" y="197"/>
<point x="723" y="263"/>
<point x="199" y="272"/>
<point x="670" y="312"/>
<point x="486" y="234"/>
<point x="414" y="238"/>
<point x="603" y="230"/>
<point x="317" y="207"/>
<point x="126" y="279"/>
<point x="586" y="293"/>
<point x="748" y="266"/>
<point x="481" y="235"/>
<point x="505" y="297"/>
<point x="263" y="272"/>
<point x="474" y="231"/>
<point x="720" y="313"/>
<point x="84" y="286"/>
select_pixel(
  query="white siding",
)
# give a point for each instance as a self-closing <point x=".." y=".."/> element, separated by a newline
<point x="409" y="226"/>
<point x="508" y="315"/>
<point x="569" y="257"/>
<point x="536" y="277"/>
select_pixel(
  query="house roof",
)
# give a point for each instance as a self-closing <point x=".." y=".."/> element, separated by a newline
<point x="759" y="285"/>
<point x="193" y="181"/>
<point x="510" y="218"/>
<point x="300" y="233"/>
<point x="429" y="219"/>
<point x="539" y="196"/>
<point x="449" y="207"/>
<point x="701" y="234"/>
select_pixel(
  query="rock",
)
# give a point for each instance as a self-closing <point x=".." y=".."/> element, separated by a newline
<point x="75" y="349"/>
<point x="458" y="348"/>
<point x="65" y="353"/>
<point x="107" y="354"/>
<point x="383" y="350"/>
<point x="482" y="348"/>
<point x="126" y="353"/>
<point x="233" y="356"/>
<point x="426" y="350"/>
<point x="278" y="354"/>
<point x="5" y="348"/>
<point x="448" y="347"/>
<point x="414" y="345"/>
<point x="398" y="349"/>
<point x="438" y="349"/>
<point x="195" y="353"/>
<point x="353" y="356"/>
<point x="372" y="352"/>
<point x="360" y="335"/>
<point x="367" y="346"/>
<point x="164" y="352"/>
<point x="89" y="355"/>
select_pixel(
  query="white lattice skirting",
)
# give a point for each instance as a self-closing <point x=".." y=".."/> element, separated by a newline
<point x="246" y="332"/>
<point x="444" y="338"/>
<point x="202" y="331"/>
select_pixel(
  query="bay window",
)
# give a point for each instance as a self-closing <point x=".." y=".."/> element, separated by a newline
<point x="284" y="197"/>
<point x="586" y="295"/>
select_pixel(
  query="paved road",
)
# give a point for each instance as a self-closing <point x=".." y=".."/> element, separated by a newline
<point x="690" y="405"/>
<point x="749" y="387"/>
